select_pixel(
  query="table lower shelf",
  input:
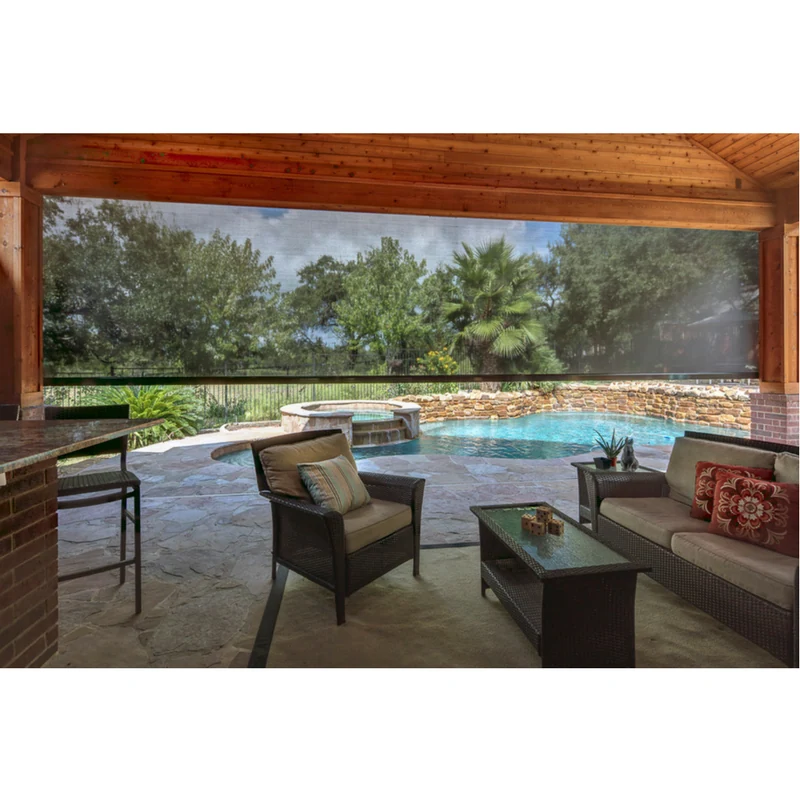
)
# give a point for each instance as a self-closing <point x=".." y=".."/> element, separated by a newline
<point x="520" y="592"/>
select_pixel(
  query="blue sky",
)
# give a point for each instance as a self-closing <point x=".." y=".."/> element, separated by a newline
<point x="295" y="237"/>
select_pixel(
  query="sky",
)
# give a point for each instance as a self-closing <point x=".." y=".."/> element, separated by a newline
<point x="296" y="237"/>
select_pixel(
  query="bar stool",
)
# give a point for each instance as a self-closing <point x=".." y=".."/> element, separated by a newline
<point x="9" y="412"/>
<point x="121" y="483"/>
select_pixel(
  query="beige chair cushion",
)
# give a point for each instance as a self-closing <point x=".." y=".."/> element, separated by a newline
<point x="687" y="452"/>
<point x="367" y="524"/>
<point x="280" y="461"/>
<point x="786" y="468"/>
<point x="761" y="572"/>
<point x="655" y="518"/>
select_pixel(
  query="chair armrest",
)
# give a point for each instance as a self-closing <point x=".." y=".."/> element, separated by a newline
<point x="629" y="484"/>
<point x="397" y="488"/>
<point x="599" y="486"/>
<point x="296" y="504"/>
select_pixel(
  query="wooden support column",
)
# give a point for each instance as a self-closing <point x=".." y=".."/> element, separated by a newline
<point x="775" y="409"/>
<point x="21" y="298"/>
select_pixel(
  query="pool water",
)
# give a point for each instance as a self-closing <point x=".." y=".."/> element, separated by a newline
<point x="549" y="435"/>
<point x="372" y="416"/>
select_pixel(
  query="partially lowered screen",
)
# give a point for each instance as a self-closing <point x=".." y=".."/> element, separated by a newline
<point x="137" y="289"/>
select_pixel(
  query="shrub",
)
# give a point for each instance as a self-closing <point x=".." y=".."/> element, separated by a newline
<point x="435" y="362"/>
<point x="177" y="407"/>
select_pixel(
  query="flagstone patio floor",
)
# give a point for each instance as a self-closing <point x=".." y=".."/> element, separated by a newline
<point x="206" y="540"/>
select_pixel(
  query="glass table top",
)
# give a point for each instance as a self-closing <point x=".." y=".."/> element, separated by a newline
<point x="552" y="555"/>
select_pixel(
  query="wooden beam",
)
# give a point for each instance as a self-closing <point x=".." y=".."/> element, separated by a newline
<point x="778" y="305"/>
<point x="396" y="197"/>
<point x="21" y="298"/>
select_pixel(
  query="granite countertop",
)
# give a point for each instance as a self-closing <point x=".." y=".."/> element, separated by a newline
<point x="26" y="442"/>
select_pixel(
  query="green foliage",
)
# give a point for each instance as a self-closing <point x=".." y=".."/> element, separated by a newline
<point x="493" y="307"/>
<point x="380" y="308"/>
<point x="436" y="362"/>
<point x="123" y="287"/>
<point x="613" y="447"/>
<point x="606" y="288"/>
<point x="177" y="407"/>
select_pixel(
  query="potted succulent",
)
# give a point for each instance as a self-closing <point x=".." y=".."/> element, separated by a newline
<point x="611" y="448"/>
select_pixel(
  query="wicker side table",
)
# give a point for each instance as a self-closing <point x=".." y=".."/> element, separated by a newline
<point x="588" y="496"/>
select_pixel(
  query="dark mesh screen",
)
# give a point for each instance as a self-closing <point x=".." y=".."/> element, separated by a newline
<point x="169" y="289"/>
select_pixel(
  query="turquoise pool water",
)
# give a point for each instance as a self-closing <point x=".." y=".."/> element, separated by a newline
<point x="553" y="435"/>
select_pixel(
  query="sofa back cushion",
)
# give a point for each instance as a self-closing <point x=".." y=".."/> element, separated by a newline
<point x="280" y="462"/>
<point x="786" y="468"/>
<point x="687" y="452"/>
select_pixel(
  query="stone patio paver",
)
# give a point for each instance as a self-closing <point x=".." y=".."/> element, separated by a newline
<point x="206" y="539"/>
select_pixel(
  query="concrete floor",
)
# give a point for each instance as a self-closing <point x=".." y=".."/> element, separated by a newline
<point x="206" y="547"/>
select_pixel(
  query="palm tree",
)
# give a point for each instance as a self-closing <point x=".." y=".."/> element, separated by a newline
<point x="493" y="307"/>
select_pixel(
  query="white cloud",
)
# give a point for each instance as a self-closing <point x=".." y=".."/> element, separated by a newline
<point x="296" y="237"/>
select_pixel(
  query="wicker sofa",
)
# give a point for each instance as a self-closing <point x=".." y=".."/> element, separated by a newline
<point x="645" y="516"/>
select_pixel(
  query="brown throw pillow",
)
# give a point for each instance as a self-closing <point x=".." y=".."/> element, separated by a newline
<point x="759" y="512"/>
<point x="705" y="484"/>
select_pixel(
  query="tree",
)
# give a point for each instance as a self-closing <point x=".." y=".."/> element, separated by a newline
<point x="493" y="305"/>
<point x="610" y="287"/>
<point x="380" y="309"/>
<point x="125" y="289"/>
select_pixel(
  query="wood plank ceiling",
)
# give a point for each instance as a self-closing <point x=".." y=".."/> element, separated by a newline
<point x="679" y="180"/>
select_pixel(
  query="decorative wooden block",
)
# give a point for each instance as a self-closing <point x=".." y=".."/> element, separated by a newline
<point x="538" y="528"/>
<point x="543" y="515"/>
<point x="556" y="527"/>
<point x="527" y="521"/>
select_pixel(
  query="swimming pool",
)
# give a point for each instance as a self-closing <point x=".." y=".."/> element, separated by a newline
<point x="548" y="435"/>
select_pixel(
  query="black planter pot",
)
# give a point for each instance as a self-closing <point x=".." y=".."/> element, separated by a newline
<point x="602" y="463"/>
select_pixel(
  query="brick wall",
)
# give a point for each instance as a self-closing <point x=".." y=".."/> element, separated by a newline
<point x="29" y="566"/>
<point x="776" y="418"/>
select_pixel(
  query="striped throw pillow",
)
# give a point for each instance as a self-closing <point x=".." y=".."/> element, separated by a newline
<point x="334" y="484"/>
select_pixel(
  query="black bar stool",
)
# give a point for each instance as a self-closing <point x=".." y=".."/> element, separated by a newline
<point x="9" y="412"/>
<point x="121" y="483"/>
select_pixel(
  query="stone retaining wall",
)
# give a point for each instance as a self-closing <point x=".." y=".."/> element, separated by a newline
<point x="726" y="407"/>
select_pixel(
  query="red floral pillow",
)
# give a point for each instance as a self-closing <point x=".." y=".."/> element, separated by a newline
<point x="759" y="512"/>
<point x="705" y="483"/>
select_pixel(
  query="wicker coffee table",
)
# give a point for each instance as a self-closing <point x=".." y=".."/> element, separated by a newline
<point x="572" y="596"/>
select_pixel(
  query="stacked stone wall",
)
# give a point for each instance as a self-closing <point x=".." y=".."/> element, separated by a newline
<point x="722" y="406"/>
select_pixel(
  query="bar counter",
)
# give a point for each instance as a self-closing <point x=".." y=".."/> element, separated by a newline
<point x="29" y="527"/>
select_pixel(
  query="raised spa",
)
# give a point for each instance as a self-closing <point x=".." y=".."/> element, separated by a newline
<point x="364" y="422"/>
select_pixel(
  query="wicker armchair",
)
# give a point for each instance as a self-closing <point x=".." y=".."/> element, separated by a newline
<point x="311" y="540"/>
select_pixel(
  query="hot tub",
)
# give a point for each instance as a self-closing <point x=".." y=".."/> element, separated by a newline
<point x="363" y="422"/>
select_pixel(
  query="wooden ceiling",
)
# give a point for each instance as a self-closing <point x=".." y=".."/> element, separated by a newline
<point x="770" y="159"/>
<point x="678" y="180"/>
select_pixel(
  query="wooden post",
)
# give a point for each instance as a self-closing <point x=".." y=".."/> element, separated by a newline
<point x="21" y="294"/>
<point x="775" y="409"/>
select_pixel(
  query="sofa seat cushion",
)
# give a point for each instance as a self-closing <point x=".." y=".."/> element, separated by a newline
<point x="681" y="470"/>
<point x="786" y="468"/>
<point x="764" y="573"/>
<point x="280" y="461"/>
<point x="655" y="518"/>
<point x="369" y="523"/>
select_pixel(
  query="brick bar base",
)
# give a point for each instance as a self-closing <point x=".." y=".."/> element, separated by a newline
<point x="29" y="566"/>
<point x="774" y="417"/>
